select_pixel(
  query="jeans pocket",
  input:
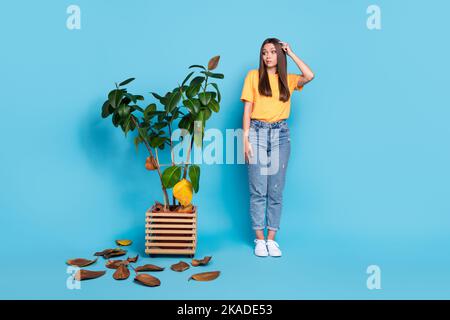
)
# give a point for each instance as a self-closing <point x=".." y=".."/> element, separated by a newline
<point x="284" y="128"/>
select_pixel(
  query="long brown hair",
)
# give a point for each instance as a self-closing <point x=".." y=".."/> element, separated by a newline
<point x="264" y="84"/>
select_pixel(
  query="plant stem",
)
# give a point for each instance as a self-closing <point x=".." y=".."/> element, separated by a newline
<point x="171" y="155"/>
<point x="188" y="158"/>
<point x="166" y="197"/>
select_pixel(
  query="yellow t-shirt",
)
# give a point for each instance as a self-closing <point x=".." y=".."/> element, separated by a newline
<point x="269" y="109"/>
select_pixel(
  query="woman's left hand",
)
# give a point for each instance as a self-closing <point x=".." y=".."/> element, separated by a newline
<point x="285" y="46"/>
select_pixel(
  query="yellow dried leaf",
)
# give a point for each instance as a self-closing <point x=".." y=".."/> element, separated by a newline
<point x="182" y="191"/>
<point x="123" y="242"/>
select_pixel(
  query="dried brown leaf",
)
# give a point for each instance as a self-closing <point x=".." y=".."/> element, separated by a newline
<point x="83" y="274"/>
<point x="102" y="253"/>
<point x="180" y="266"/>
<point x="114" y="264"/>
<point x="133" y="260"/>
<point x="187" y="209"/>
<point x="201" y="262"/>
<point x="213" y="62"/>
<point x="122" y="272"/>
<point x="115" y="253"/>
<point x="148" y="267"/>
<point x="205" y="276"/>
<point x="147" y="280"/>
<point x="80" y="262"/>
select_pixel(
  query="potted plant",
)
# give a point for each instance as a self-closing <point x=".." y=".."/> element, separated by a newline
<point x="188" y="106"/>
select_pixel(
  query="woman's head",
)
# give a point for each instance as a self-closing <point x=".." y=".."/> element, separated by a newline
<point x="273" y="56"/>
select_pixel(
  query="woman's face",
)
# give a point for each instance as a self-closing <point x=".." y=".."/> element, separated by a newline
<point x="269" y="53"/>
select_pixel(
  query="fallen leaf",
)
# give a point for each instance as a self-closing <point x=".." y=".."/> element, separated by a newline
<point x="122" y="272"/>
<point x="114" y="264"/>
<point x="205" y="276"/>
<point x="133" y="260"/>
<point x="147" y="280"/>
<point x="102" y="253"/>
<point x="83" y="274"/>
<point x="201" y="262"/>
<point x="158" y="207"/>
<point x="123" y="242"/>
<point x="148" y="267"/>
<point x="180" y="266"/>
<point x="80" y="262"/>
<point x="187" y="209"/>
<point x="109" y="253"/>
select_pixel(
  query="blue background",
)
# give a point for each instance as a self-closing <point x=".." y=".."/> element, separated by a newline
<point x="368" y="176"/>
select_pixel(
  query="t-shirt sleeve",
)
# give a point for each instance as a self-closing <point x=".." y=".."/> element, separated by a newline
<point x="248" y="90"/>
<point x="294" y="82"/>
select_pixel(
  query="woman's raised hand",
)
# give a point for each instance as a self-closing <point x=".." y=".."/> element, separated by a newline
<point x="285" y="46"/>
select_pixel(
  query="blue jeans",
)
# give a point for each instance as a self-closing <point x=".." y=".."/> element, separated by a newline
<point x="271" y="144"/>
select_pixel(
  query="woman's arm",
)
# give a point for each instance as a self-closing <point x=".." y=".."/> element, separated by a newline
<point x="307" y="74"/>
<point x="248" y="151"/>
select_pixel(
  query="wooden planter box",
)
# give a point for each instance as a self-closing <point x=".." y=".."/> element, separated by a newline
<point x="170" y="232"/>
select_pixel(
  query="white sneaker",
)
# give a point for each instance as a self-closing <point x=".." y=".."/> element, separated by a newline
<point x="273" y="248"/>
<point x="260" y="248"/>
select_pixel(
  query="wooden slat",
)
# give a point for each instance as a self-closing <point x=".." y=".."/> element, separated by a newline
<point x="169" y="238"/>
<point x="178" y="220"/>
<point x="169" y="251"/>
<point x="161" y="231"/>
<point x="169" y="244"/>
<point x="163" y="214"/>
<point x="169" y="226"/>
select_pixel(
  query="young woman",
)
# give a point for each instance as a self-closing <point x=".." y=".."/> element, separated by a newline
<point x="266" y="96"/>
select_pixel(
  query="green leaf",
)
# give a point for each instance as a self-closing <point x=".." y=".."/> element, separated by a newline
<point x="186" y="123"/>
<point x="160" y="125"/>
<point x="127" y="125"/>
<point x="124" y="111"/>
<point x="193" y="89"/>
<point x="116" y="119"/>
<point x="191" y="105"/>
<point x="206" y="113"/>
<point x="161" y="99"/>
<point x="136" y="107"/>
<point x="126" y="82"/>
<point x="173" y="100"/>
<point x="213" y="75"/>
<point x="205" y="97"/>
<point x="171" y="176"/>
<point x="139" y="97"/>
<point x="214" y="105"/>
<point x="194" y="175"/>
<point x="114" y="97"/>
<point x="197" y="66"/>
<point x="128" y="98"/>
<point x="187" y="78"/>
<point x="107" y="109"/>
<point x="156" y="141"/>
<point x="217" y="90"/>
<point x="197" y="80"/>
